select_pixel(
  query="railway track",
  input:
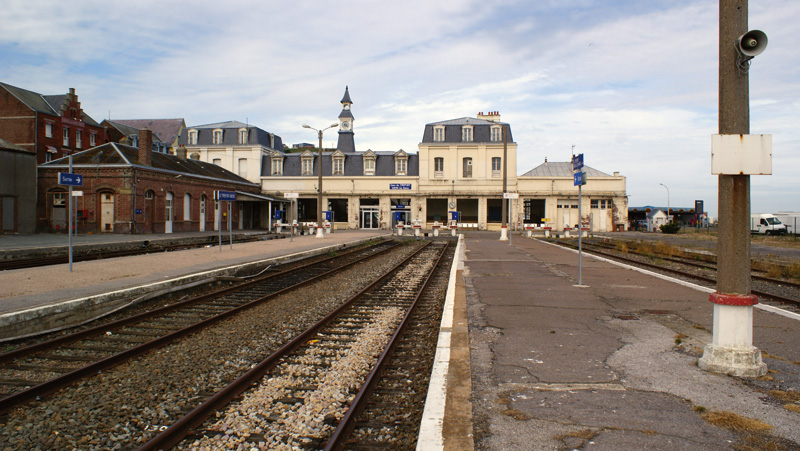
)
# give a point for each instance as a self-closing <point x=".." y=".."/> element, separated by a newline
<point x="146" y="247"/>
<point x="769" y="287"/>
<point x="296" y="396"/>
<point x="33" y="371"/>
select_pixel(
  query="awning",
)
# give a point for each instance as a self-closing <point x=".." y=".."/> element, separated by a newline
<point x="52" y="149"/>
<point x="252" y="197"/>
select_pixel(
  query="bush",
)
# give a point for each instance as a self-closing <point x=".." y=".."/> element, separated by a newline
<point x="671" y="228"/>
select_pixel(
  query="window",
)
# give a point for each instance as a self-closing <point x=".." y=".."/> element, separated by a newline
<point x="48" y="130"/>
<point x="277" y="166"/>
<point x="400" y="166"/>
<point x="192" y="137"/>
<point x="217" y="161"/>
<point x="438" y="134"/>
<point x="467" y="168"/>
<point x="338" y="166"/>
<point x="242" y="136"/>
<point x="59" y="199"/>
<point x="187" y="207"/>
<point x="78" y="139"/>
<point x="496" y="166"/>
<point x="438" y="167"/>
<point x="93" y="139"/>
<point x="48" y="157"/>
<point x="497" y="134"/>
<point x="217" y="136"/>
<point x="243" y="167"/>
<point x="466" y="134"/>
<point x="369" y="166"/>
<point x="601" y="203"/>
<point x="567" y="203"/>
<point x="66" y="136"/>
<point x="308" y="166"/>
<point x="149" y="194"/>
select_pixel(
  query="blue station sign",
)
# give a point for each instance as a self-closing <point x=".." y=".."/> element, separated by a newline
<point x="66" y="178"/>
<point x="229" y="196"/>
<point x="399" y="186"/>
<point x="577" y="162"/>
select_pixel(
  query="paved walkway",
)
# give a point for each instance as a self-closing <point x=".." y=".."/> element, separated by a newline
<point x="607" y="366"/>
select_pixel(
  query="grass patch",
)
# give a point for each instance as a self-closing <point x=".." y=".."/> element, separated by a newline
<point x="679" y="338"/>
<point x="785" y="396"/>
<point x="735" y="422"/>
<point x="792" y="407"/>
<point x="585" y="434"/>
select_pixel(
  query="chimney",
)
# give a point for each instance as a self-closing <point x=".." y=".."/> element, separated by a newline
<point x="182" y="152"/>
<point x="145" y="147"/>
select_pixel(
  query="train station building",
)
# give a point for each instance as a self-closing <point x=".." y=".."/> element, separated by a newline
<point x="458" y="167"/>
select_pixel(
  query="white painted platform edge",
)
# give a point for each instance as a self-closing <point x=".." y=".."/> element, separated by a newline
<point x="430" y="431"/>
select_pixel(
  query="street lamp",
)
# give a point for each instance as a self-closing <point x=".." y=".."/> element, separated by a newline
<point x="665" y="186"/>
<point x="319" y="183"/>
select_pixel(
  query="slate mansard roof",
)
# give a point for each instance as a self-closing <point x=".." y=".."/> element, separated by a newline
<point x="481" y="130"/>
<point x="230" y="137"/>
<point x="353" y="165"/>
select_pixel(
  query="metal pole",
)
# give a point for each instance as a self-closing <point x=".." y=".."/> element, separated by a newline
<point x="504" y="226"/>
<point x="319" y="195"/>
<point x="230" y="224"/>
<point x="69" y="217"/>
<point x="580" y="232"/>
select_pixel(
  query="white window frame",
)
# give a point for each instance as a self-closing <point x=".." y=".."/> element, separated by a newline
<point x="466" y="133"/>
<point x="438" y="134"/>
<point x="78" y="139"/>
<point x="466" y="168"/>
<point x="92" y="139"/>
<point x="217" y="161"/>
<point x="192" y="137"/>
<point x="438" y="167"/>
<point x="65" y="136"/>
<point x="48" y="130"/>
<point x="242" y="168"/>
<point x="369" y="166"/>
<point x="307" y="166"/>
<point x="497" y="166"/>
<point x="243" y="132"/>
<point x="337" y="168"/>
<point x="401" y="166"/>
<point x="277" y="166"/>
<point x="218" y="136"/>
<point x="497" y="134"/>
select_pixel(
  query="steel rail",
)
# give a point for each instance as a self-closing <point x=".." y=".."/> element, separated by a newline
<point x="67" y="378"/>
<point x="348" y="421"/>
<point x="195" y="418"/>
<point x="709" y="280"/>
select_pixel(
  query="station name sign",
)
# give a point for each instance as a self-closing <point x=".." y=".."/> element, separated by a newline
<point x="229" y="196"/>
<point x="399" y="186"/>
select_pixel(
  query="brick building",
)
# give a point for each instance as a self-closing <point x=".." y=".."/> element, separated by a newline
<point x="51" y="126"/>
<point x="135" y="190"/>
<point x="17" y="189"/>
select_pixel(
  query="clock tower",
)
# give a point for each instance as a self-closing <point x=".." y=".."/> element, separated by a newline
<point x="346" y="141"/>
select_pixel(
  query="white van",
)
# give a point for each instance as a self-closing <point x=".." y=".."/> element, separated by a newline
<point x="766" y="224"/>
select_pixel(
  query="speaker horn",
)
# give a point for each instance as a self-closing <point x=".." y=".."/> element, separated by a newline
<point x="752" y="43"/>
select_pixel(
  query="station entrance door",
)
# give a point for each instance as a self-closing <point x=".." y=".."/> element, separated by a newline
<point x="369" y="215"/>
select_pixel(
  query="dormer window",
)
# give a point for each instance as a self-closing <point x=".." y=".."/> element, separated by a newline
<point x="217" y="136"/>
<point x="400" y="163"/>
<point x="307" y="163"/>
<point x="337" y="163"/>
<point x="438" y="134"/>
<point x="243" y="132"/>
<point x="466" y="133"/>
<point x="277" y="165"/>
<point x="369" y="162"/>
<point x="497" y="134"/>
<point x="192" y="137"/>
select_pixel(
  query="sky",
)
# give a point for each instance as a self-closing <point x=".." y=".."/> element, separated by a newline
<point x="631" y="84"/>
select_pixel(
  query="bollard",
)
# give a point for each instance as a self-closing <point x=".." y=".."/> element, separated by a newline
<point x="399" y="230"/>
<point x="417" y="230"/>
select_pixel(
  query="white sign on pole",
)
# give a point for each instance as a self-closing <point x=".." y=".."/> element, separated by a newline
<point x="291" y="195"/>
<point x="510" y="195"/>
<point x="77" y="193"/>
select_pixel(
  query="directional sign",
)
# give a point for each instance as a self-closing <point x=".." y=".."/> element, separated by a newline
<point x="291" y="195"/>
<point x="65" y="178"/>
<point x="577" y="162"/>
<point x="578" y="178"/>
<point x="225" y="195"/>
<point x="510" y="195"/>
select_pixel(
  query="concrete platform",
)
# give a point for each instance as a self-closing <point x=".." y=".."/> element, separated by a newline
<point x="608" y="365"/>
<point x="51" y="297"/>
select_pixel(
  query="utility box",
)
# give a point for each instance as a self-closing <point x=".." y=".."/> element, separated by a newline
<point x="741" y="154"/>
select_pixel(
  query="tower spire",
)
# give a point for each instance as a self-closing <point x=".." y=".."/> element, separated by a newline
<point x="346" y="141"/>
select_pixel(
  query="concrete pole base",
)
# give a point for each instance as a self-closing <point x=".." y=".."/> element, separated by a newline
<point x="503" y="233"/>
<point x="738" y="362"/>
<point x="320" y="233"/>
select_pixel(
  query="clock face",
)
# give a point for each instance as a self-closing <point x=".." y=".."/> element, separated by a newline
<point x="345" y="124"/>
<point x="452" y="205"/>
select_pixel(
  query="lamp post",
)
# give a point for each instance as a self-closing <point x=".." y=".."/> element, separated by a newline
<point x="320" y="233"/>
<point x="665" y="186"/>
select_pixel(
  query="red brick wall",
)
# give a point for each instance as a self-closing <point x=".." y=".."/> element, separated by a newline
<point x="17" y="121"/>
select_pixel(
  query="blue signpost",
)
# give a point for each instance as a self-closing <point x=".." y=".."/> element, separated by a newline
<point x="70" y="179"/>
<point x="228" y="196"/>
<point x="579" y="179"/>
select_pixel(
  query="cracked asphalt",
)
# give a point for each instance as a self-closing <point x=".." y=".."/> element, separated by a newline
<point x="608" y="365"/>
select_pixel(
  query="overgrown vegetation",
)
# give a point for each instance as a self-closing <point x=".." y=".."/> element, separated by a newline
<point x="670" y="228"/>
